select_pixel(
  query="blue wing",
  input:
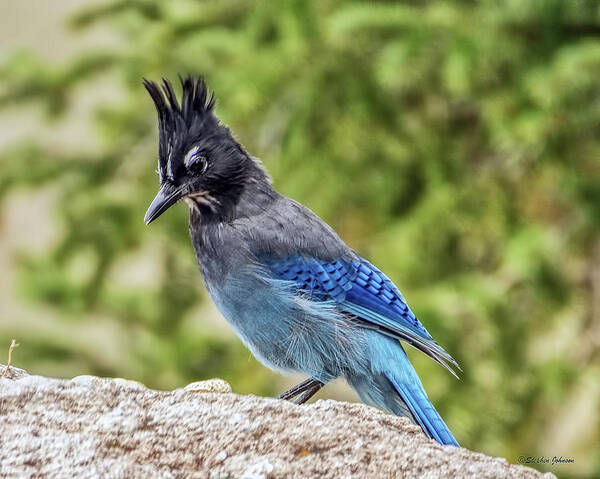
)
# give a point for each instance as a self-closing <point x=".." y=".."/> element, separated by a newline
<point x="365" y="293"/>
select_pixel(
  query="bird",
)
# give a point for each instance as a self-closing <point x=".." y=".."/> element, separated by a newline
<point x="297" y="296"/>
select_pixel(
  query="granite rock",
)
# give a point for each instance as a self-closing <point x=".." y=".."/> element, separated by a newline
<point x="115" y="428"/>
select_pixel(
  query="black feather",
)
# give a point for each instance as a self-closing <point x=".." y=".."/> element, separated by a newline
<point x="177" y="123"/>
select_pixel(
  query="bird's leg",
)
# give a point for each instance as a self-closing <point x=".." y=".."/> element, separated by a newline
<point x="297" y="389"/>
<point x="309" y="392"/>
<point x="306" y="389"/>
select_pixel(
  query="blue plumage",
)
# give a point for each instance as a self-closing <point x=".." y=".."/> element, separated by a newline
<point x="362" y="290"/>
<point x="297" y="296"/>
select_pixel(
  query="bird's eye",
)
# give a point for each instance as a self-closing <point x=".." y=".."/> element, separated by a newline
<point x="195" y="161"/>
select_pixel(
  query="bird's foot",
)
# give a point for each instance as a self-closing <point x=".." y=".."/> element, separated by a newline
<point x="303" y="391"/>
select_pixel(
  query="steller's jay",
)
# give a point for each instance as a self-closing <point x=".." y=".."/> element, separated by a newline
<point x="297" y="296"/>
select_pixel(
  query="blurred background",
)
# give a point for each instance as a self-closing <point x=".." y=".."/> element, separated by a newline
<point x="454" y="144"/>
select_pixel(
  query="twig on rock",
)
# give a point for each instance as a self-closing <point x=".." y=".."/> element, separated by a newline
<point x="12" y="346"/>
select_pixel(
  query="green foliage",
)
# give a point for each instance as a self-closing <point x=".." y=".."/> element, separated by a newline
<point x="456" y="145"/>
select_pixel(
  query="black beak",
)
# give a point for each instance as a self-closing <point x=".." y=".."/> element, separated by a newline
<point x="166" y="197"/>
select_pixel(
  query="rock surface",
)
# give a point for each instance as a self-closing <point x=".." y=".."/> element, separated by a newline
<point x="114" y="428"/>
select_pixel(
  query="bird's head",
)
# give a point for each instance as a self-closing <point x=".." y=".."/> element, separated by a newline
<point x="198" y="158"/>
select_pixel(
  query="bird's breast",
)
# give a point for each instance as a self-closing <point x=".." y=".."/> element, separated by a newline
<point x="285" y="330"/>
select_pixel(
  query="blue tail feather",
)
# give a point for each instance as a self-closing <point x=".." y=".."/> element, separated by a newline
<point x="423" y="411"/>
<point x="391" y="383"/>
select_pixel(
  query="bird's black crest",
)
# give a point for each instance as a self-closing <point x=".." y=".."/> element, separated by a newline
<point x="195" y="101"/>
<point x="175" y="121"/>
